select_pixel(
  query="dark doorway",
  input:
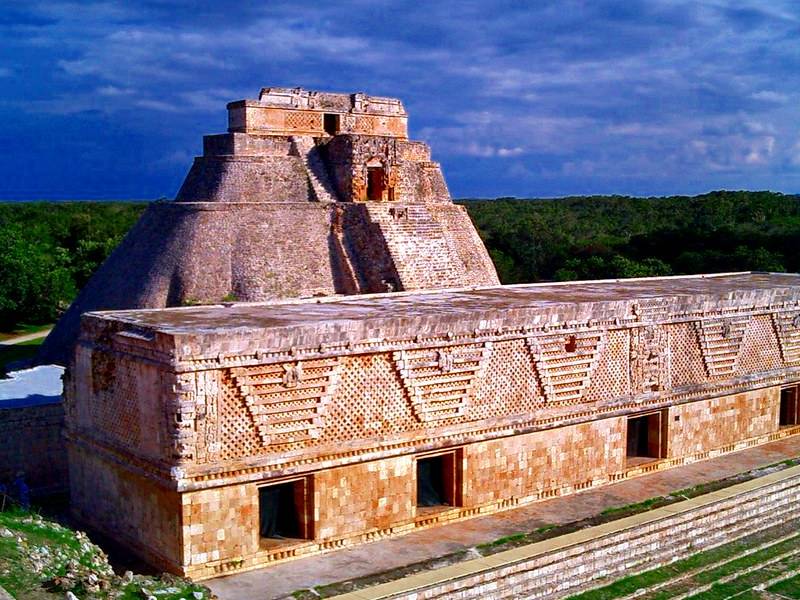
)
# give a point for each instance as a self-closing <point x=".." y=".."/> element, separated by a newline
<point x="789" y="407"/>
<point x="375" y="183"/>
<point x="281" y="510"/>
<point x="644" y="439"/>
<point x="331" y="124"/>
<point x="436" y="480"/>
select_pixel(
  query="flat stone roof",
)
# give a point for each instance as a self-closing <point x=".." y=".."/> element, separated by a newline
<point x="548" y="302"/>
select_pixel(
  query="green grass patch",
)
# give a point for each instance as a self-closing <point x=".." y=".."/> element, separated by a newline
<point x="43" y="559"/>
<point x="636" y="507"/>
<point x="790" y="588"/>
<point x="746" y="582"/>
<point x="503" y="541"/>
<point x="545" y="529"/>
<point x="629" y="585"/>
<point x="750" y="560"/>
<point x="23" y="329"/>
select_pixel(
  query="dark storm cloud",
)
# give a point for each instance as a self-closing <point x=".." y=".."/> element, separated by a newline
<point x="109" y="99"/>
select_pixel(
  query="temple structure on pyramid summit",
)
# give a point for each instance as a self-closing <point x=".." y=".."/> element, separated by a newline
<point x="307" y="194"/>
<point x="349" y="367"/>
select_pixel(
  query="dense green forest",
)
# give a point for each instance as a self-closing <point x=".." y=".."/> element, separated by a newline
<point x="49" y="249"/>
<point x="614" y="236"/>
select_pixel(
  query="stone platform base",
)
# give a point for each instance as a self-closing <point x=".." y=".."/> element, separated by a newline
<point x="562" y="566"/>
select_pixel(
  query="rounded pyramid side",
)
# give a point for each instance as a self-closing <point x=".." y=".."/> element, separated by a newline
<point x="179" y="254"/>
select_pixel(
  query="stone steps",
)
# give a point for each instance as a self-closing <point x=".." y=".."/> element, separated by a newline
<point x="305" y="148"/>
<point x="417" y="244"/>
<point x="556" y="569"/>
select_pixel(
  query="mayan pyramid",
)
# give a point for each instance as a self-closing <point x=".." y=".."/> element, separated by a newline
<point x="308" y="194"/>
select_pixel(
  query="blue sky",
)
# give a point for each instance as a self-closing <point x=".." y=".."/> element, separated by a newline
<point x="111" y="99"/>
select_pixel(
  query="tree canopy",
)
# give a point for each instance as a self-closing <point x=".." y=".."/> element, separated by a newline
<point x="616" y="236"/>
<point x="48" y="250"/>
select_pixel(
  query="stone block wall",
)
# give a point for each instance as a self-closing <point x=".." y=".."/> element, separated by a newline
<point x="375" y="495"/>
<point x="246" y="179"/>
<point x="676" y="533"/>
<point x="413" y="177"/>
<point x="220" y="524"/>
<point x="525" y="465"/>
<point x="128" y="506"/>
<point x="701" y="426"/>
<point x="242" y="144"/>
<point x="31" y="443"/>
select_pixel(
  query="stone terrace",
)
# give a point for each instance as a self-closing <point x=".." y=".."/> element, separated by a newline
<point x="358" y="318"/>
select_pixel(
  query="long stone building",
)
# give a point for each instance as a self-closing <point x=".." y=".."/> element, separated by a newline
<point x="220" y="438"/>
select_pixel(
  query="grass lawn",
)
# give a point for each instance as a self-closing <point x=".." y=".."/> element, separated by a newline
<point x="789" y="588"/>
<point x="732" y="569"/>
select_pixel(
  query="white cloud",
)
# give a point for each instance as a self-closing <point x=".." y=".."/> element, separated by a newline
<point x="770" y="96"/>
<point x="676" y="88"/>
<point x="506" y="152"/>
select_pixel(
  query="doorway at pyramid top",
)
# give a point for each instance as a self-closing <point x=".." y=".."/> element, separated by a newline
<point x="378" y="188"/>
<point x="330" y="123"/>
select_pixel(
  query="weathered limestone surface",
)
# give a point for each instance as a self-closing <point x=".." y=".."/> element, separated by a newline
<point x="31" y="444"/>
<point x="308" y="194"/>
<point x="528" y="391"/>
<point x="565" y="571"/>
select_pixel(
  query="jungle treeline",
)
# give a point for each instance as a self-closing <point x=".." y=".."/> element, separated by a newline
<point x="599" y="237"/>
<point x="48" y="250"/>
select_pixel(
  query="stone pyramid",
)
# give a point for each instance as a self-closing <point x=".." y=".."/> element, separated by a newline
<point x="308" y="194"/>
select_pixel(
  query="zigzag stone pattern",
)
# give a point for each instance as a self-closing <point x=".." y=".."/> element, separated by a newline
<point x="441" y="382"/>
<point x="565" y="363"/>
<point x="287" y="402"/>
<point x="787" y="328"/>
<point x="721" y="341"/>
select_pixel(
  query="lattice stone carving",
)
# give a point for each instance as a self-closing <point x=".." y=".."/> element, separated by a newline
<point x="115" y="410"/>
<point x="720" y="342"/>
<point x="565" y="363"/>
<point x="787" y="328"/>
<point x="650" y="359"/>
<point x="287" y="402"/>
<point x="441" y="382"/>
<point x="305" y="121"/>
<point x="365" y="124"/>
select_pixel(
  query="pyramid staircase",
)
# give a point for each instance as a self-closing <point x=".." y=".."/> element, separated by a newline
<point x="418" y="246"/>
<point x="305" y="147"/>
